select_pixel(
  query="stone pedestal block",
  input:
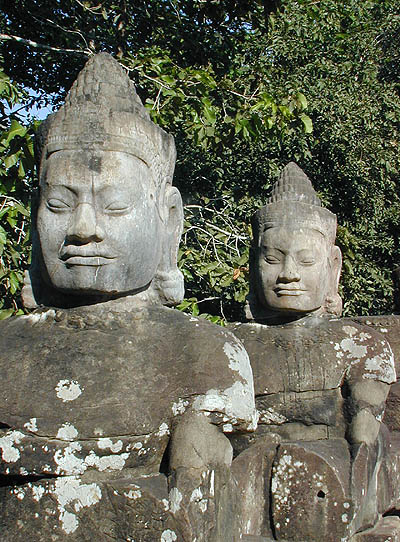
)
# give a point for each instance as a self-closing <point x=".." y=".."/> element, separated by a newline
<point x="310" y="491"/>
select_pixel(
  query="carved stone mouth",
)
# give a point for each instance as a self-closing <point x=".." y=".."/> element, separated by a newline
<point x="94" y="261"/>
<point x="289" y="291"/>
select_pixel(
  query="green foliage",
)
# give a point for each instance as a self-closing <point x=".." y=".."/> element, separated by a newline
<point x="244" y="87"/>
<point x="213" y="110"/>
<point x="337" y="52"/>
<point x="16" y="167"/>
<point x="214" y="254"/>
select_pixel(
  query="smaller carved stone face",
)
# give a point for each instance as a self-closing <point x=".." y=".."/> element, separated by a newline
<point x="293" y="269"/>
<point x="98" y="222"/>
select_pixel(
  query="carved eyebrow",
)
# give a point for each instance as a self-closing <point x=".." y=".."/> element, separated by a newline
<point x="277" y="249"/>
<point x="62" y="187"/>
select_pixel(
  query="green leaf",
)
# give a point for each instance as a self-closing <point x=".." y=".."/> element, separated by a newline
<point x="210" y="114"/>
<point x="303" y="100"/>
<point x="6" y="313"/>
<point x="10" y="161"/>
<point x="16" y="129"/>
<point x="307" y="122"/>
<point x="14" y="282"/>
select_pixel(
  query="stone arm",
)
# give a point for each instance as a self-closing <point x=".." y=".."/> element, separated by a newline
<point x="199" y="444"/>
<point x="201" y="488"/>
<point x="366" y="407"/>
<point x="368" y="378"/>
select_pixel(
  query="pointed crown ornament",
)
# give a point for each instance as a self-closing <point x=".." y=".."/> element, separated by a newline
<point x="102" y="111"/>
<point x="294" y="202"/>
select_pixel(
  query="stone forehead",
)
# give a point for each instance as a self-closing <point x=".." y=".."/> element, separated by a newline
<point x="294" y="215"/>
<point x="73" y="163"/>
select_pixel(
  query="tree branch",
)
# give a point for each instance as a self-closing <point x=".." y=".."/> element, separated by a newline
<point x="30" y="43"/>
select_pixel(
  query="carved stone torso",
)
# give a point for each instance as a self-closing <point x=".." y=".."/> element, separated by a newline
<point x="94" y="398"/>
<point x="301" y="370"/>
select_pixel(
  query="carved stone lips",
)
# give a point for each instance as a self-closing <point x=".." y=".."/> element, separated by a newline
<point x="282" y="291"/>
<point x="85" y="257"/>
<point x="94" y="261"/>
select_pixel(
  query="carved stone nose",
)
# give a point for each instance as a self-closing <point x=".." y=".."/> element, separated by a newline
<point x="84" y="227"/>
<point x="289" y="272"/>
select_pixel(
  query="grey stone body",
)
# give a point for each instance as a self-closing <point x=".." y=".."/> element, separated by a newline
<point x="389" y="326"/>
<point x="303" y="375"/>
<point x="90" y="403"/>
<point x="321" y="460"/>
<point x="114" y="409"/>
<point x="300" y="369"/>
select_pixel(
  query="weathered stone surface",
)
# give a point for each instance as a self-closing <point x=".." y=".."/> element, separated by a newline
<point x="392" y="411"/>
<point x="321" y="383"/>
<point x="389" y="477"/>
<point x="300" y="368"/>
<point x="69" y="508"/>
<point x="389" y="326"/>
<point x="80" y="422"/>
<point x="208" y="505"/>
<point x="108" y="218"/>
<point x="310" y="491"/>
<point x="294" y="264"/>
<point x="252" y="470"/>
<point x="115" y="409"/>
<point x="387" y="530"/>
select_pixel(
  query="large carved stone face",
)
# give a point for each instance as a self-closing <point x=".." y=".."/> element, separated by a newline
<point x="293" y="270"/>
<point x="98" y="223"/>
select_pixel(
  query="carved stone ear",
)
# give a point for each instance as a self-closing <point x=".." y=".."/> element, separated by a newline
<point x="336" y="259"/>
<point x="168" y="281"/>
<point x="333" y="303"/>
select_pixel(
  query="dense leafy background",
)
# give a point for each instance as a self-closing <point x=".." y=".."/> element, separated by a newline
<point x="244" y="87"/>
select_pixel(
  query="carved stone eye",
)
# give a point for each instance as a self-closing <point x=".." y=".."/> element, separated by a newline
<point x="272" y="259"/>
<point x="55" y="204"/>
<point x="117" y="207"/>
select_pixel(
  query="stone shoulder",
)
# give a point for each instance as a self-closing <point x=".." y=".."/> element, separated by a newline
<point x="117" y="360"/>
<point x="324" y="351"/>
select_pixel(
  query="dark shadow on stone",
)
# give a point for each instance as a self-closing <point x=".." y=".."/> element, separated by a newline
<point x="392" y="512"/>
<point x="19" y="480"/>
<point x="164" y="465"/>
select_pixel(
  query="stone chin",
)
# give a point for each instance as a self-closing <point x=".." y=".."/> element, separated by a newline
<point x="293" y="304"/>
<point x="107" y="280"/>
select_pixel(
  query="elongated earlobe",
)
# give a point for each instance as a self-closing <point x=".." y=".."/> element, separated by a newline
<point x="333" y="303"/>
<point x="168" y="281"/>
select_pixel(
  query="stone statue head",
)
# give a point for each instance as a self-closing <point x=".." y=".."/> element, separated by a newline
<point x="108" y="220"/>
<point x="295" y="265"/>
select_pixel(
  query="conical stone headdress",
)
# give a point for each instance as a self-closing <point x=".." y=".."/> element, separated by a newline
<point x="103" y="112"/>
<point x="294" y="203"/>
